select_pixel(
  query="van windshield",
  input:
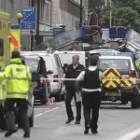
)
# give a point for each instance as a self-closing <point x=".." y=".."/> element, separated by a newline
<point x="32" y="63"/>
<point x="120" y="64"/>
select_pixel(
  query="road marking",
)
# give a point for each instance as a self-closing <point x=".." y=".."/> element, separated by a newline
<point x="47" y="111"/>
<point x="42" y="108"/>
<point x="130" y="135"/>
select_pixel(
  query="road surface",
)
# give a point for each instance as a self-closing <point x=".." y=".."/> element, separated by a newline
<point x="116" y="122"/>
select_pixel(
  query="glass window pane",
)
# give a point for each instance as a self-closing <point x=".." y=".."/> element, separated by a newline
<point x="116" y="63"/>
<point x="32" y="63"/>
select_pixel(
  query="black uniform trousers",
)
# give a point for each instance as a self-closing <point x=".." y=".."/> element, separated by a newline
<point x="91" y="104"/>
<point x="22" y="106"/>
<point x="69" y="96"/>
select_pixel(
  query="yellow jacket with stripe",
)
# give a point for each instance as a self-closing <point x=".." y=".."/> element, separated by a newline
<point x="18" y="78"/>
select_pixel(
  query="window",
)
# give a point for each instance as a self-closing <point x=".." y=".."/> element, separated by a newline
<point x="42" y="10"/>
<point x="32" y="63"/>
<point x="120" y="64"/>
<point x="45" y="11"/>
<point x="1" y="47"/>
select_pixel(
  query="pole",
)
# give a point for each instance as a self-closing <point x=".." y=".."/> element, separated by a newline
<point x="110" y="14"/>
<point x="38" y="17"/>
<point x="81" y="13"/>
<point x="31" y="33"/>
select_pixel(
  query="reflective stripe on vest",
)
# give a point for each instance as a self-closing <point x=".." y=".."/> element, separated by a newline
<point x="17" y="93"/>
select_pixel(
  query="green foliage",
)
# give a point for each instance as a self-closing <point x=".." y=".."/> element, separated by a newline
<point x="124" y="12"/>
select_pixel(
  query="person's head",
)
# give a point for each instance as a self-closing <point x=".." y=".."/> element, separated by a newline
<point x="75" y="59"/>
<point x="15" y="54"/>
<point x="94" y="60"/>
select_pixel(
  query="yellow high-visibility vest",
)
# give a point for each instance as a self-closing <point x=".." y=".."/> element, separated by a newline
<point x="18" y="79"/>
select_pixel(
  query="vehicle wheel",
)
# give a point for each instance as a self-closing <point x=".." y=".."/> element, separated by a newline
<point x="58" y="97"/>
<point x="31" y="120"/>
<point x="44" y="101"/>
<point x="19" y="123"/>
<point x="18" y="119"/>
<point x="135" y="102"/>
<point x="62" y="97"/>
<point x="124" y="102"/>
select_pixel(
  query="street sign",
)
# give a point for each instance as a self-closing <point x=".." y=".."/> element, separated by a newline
<point x="57" y="31"/>
<point x="29" y="18"/>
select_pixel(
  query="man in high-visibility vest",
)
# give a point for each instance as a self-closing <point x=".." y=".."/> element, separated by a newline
<point x="18" y="78"/>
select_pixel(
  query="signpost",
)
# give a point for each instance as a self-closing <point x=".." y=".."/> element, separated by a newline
<point x="29" y="22"/>
<point x="29" y="19"/>
<point x="57" y="31"/>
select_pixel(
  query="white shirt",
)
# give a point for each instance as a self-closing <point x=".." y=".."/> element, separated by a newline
<point x="82" y="75"/>
<point x="75" y="66"/>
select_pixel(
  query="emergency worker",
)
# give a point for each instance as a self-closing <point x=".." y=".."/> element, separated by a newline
<point x="18" y="78"/>
<point x="91" y="78"/>
<point x="73" y="71"/>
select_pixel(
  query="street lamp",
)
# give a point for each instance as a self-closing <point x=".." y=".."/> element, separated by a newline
<point x="19" y="17"/>
<point x="110" y="13"/>
<point x="81" y="13"/>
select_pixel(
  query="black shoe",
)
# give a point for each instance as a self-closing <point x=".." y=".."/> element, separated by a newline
<point x="86" y="130"/>
<point x="26" y="135"/>
<point x="94" y="131"/>
<point x="9" y="133"/>
<point x="69" y="120"/>
<point x="77" y="122"/>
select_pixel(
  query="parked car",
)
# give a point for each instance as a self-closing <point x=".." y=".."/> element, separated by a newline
<point x="55" y="70"/>
<point x="126" y="90"/>
<point x="41" y="86"/>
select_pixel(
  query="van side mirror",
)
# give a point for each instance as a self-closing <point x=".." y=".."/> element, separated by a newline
<point x="49" y="72"/>
<point x="65" y="66"/>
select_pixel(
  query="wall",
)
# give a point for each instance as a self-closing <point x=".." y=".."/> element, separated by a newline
<point x="65" y="12"/>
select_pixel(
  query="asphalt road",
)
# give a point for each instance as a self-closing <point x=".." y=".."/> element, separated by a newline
<point x="116" y="122"/>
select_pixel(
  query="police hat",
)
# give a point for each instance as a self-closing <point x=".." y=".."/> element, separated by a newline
<point x="16" y="54"/>
<point x="93" y="60"/>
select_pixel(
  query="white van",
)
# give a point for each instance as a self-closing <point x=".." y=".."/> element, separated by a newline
<point x="66" y="56"/>
<point x="53" y="64"/>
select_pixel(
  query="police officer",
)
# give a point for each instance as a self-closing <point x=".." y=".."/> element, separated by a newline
<point x="18" y="78"/>
<point x="73" y="71"/>
<point x="91" y="95"/>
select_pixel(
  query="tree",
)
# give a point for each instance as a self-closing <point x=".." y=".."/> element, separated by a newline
<point x="124" y="12"/>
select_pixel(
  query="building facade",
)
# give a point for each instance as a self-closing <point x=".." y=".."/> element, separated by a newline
<point x="51" y="14"/>
<point x="66" y="12"/>
<point x="14" y="6"/>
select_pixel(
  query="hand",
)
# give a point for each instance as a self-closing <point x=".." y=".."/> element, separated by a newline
<point x="30" y="91"/>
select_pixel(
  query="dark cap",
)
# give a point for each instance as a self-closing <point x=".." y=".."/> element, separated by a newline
<point x="93" y="60"/>
<point x="15" y="54"/>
